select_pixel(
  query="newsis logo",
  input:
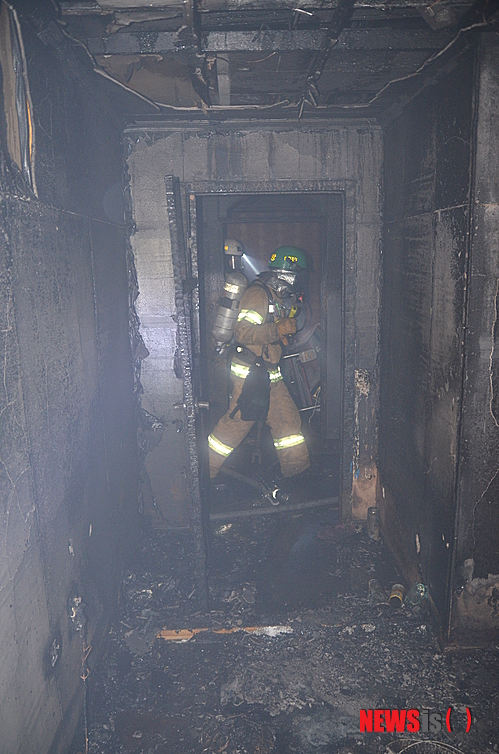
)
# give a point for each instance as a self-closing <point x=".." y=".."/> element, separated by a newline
<point x="407" y="721"/>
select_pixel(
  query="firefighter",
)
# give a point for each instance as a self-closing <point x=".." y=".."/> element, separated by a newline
<point x="263" y="326"/>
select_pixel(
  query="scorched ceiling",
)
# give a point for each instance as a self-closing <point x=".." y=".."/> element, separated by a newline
<point x="275" y="58"/>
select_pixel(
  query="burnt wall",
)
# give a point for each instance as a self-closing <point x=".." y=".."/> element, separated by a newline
<point x="476" y="572"/>
<point x="427" y="189"/>
<point x="68" y="488"/>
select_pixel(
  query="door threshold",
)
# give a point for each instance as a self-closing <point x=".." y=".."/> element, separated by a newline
<point x="332" y="502"/>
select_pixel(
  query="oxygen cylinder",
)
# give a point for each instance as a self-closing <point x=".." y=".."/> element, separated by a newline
<point x="228" y="308"/>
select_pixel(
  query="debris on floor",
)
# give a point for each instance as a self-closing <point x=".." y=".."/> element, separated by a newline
<point x="293" y="646"/>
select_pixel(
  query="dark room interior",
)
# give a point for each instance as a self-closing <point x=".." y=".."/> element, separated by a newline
<point x="148" y="604"/>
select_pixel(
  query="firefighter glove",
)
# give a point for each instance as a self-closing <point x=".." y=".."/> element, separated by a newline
<point x="285" y="326"/>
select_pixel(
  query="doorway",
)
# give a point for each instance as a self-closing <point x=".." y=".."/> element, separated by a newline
<point x="311" y="364"/>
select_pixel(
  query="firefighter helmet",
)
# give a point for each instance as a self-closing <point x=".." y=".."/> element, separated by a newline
<point x="288" y="258"/>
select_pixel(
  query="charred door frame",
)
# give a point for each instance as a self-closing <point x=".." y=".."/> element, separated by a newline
<point x="347" y="188"/>
<point x="183" y="275"/>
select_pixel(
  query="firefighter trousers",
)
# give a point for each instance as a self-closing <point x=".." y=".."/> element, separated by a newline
<point x="285" y="425"/>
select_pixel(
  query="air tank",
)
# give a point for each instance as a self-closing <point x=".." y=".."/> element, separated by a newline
<point x="228" y="308"/>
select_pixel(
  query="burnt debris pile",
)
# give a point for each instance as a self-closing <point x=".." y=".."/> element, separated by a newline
<point x="290" y="650"/>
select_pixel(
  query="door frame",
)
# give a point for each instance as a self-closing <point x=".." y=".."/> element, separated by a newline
<point x="182" y="272"/>
<point x="348" y="189"/>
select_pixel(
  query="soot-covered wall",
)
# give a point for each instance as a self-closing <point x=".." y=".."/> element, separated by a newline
<point x="475" y="596"/>
<point x="427" y="184"/>
<point x="439" y="426"/>
<point x="67" y="449"/>
<point x="428" y="151"/>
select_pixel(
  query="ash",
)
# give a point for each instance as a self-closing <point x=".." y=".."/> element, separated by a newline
<point x="296" y="689"/>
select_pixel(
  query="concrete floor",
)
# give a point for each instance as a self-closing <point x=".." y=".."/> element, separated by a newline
<point x="299" y="689"/>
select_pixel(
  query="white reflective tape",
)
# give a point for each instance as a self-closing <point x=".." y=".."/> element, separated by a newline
<point x="250" y="316"/>
<point x="231" y="288"/>
<point x="271" y="308"/>
<point x="219" y="447"/>
<point x="275" y="375"/>
<point x="288" y="442"/>
<point x="239" y="370"/>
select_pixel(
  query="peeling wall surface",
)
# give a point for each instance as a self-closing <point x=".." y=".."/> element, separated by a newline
<point x="68" y="487"/>
<point x="475" y="609"/>
<point x="166" y="462"/>
<point x="238" y="159"/>
<point x="427" y="185"/>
